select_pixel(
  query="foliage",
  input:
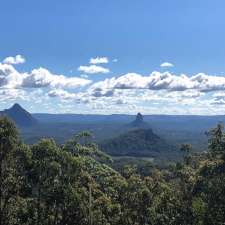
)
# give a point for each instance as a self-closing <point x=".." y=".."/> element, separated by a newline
<point x="50" y="184"/>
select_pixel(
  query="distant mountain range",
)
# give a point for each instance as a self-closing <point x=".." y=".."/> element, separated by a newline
<point x="135" y="138"/>
<point x="173" y="129"/>
<point x="20" y="116"/>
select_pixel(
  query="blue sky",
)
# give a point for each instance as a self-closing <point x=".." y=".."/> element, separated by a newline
<point x="135" y="37"/>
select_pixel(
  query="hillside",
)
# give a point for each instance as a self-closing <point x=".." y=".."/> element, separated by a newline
<point x="138" y="142"/>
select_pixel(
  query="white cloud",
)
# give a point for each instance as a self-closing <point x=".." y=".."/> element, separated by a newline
<point x="158" y="92"/>
<point x="155" y="81"/>
<point x="38" y="78"/>
<point x="42" y="77"/>
<point x="102" y="93"/>
<point x="218" y="98"/>
<point x="10" y="77"/>
<point x="66" y="96"/>
<point x="18" y="59"/>
<point x="164" y="81"/>
<point x="121" y="102"/>
<point x="93" y="69"/>
<point x="185" y="94"/>
<point x="12" y="94"/>
<point x="99" y="60"/>
<point x="61" y="94"/>
<point x="166" y="64"/>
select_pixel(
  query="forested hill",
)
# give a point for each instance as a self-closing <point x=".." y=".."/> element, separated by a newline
<point x="50" y="184"/>
<point x="139" y="142"/>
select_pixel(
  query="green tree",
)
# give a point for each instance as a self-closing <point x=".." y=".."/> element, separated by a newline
<point x="8" y="177"/>
<point x="216" y="141"/>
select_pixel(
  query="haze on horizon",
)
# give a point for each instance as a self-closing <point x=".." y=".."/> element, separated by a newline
<point x="93" y="57"/>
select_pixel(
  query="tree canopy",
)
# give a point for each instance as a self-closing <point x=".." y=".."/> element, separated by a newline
<point x="73" y="183"/>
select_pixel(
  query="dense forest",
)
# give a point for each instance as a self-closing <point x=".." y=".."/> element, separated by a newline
<point x="74" y="184"/>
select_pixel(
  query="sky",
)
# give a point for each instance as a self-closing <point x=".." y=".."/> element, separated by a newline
<point x="114" y="56"/>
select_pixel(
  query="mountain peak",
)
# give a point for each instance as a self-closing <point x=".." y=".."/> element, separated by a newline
<point x="139" y="118"/>
<point x="139" y="122"/>
<point x="19" y="115"/>
<point x="16" y="106"/>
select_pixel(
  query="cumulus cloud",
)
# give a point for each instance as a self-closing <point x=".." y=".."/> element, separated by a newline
<point x="93" y="69"/>
<point x="61" y="94"/>
<point x="65" y="96"/>
<point x="191" y="94"/>
<point x="10" y="77"/>
<point x="42" y="77"/>
<point x="166" y="64"/>
<point x="218" y="98"/>
<point x="155" y="81"/>
<point x="170" y="92"/>
<point x="37" y="78"/>
<point x="164" y="81"/>
<point x="98" y="92"/>
<point x="217" y="101"/>
<point x="121" y="102"/>
<point x="12" y="94"/>
<point x="99" y="60"/>
<point x="18" y="59"/>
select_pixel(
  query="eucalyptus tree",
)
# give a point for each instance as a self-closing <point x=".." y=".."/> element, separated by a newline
<point x="8" y="177"/>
